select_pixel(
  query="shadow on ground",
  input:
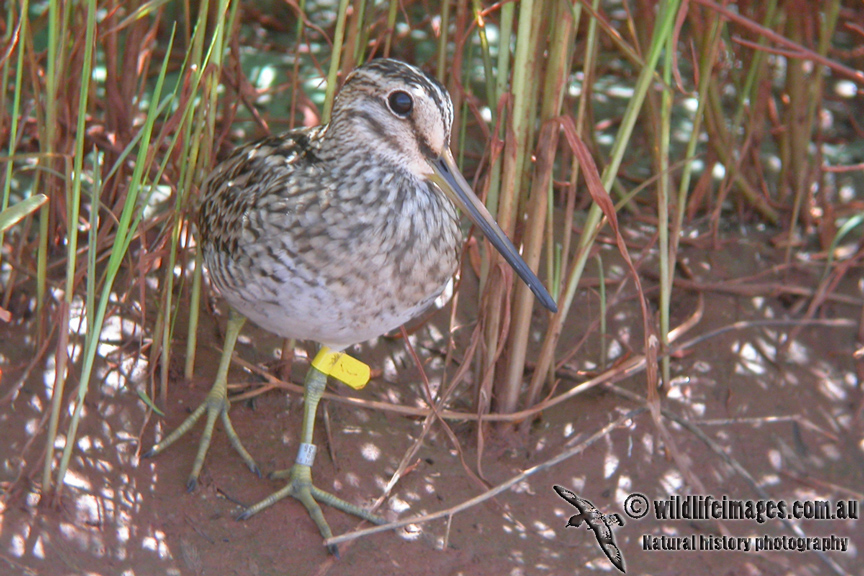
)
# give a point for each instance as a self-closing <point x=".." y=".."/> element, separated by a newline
<point x="783" y="409"/>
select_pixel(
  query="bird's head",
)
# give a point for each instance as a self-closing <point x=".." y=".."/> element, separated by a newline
<point x="402" y="116"/>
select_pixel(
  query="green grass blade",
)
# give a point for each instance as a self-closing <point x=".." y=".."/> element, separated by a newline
<point x="73" y="207"/>
<point x="123" y="238"/>
<point x="17" y="212"/>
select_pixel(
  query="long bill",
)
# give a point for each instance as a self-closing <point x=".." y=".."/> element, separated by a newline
<point x="450" y="180"/>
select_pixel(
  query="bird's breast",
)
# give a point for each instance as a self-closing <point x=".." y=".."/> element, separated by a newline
<point x="338" y="263"/>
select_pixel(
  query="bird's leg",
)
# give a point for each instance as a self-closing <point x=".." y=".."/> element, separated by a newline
<point x="216" y="404"/>
<point x="300" y="475"/>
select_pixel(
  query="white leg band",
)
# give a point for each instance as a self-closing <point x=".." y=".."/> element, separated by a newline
<point x="306" y="454"/>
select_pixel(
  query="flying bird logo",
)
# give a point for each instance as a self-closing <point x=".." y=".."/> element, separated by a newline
<point x="601" y="524"/>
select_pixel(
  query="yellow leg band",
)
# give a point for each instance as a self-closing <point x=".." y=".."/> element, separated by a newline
<point x="342" y="367"/>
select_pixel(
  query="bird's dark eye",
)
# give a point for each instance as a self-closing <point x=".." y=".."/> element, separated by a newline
<point x="400" y="103"/>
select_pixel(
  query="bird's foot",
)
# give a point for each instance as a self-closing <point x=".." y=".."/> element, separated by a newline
<point x="300" y="487"/>
<point x="216" y="405"/>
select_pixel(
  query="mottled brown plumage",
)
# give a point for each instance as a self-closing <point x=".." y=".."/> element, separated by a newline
<point x="313" y="236"/>
<point x="338" y="234"/>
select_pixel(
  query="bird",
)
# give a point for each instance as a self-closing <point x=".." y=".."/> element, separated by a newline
<point x="595" y="520"/>
<point x="337" y="234"/>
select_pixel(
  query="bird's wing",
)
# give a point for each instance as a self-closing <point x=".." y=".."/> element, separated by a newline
<point x="570" y="497"/>
<point x="614" y="554"/>
<point x="602" y="531"/>
<point x="608" y="544"/>
<point x="252" y="174"/>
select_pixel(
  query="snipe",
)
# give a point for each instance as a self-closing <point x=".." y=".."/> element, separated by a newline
<point x="337" y="234"/>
